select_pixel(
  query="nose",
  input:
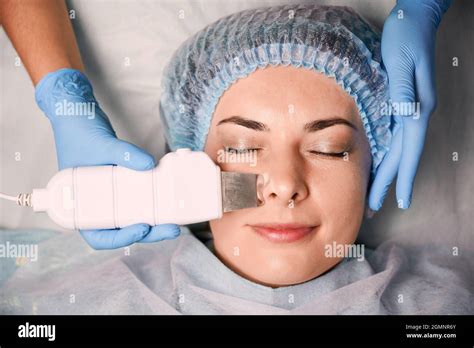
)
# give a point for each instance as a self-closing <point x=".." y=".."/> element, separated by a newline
<point x="282" y="182"/>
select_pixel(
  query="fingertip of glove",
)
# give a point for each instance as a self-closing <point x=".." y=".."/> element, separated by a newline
<point x="176" y="231"/>
<point x="375" y="207"/>
<point x="142" y="162"/>
<point x="173" y="230"/>
<point x="131" y="156"/>
<point x="170" y="231"/>
<point x="404" y="204"/>
<point x="142" y="230"/>
<point x="150" y="165"/>
<point x="375" y="203"/>
<point x="89" y="237"/>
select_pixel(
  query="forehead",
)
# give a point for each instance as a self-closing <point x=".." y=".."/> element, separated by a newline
<point x="284" y="90"/>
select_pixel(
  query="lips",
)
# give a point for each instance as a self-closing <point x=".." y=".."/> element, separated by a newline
<point x="283" y="233"/>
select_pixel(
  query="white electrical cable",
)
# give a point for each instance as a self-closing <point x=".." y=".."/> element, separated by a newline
<point x="5" y="196"/>
<point x="23" y="199"/>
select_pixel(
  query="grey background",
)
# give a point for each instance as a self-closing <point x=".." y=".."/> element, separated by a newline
<point x="147" y="33"/>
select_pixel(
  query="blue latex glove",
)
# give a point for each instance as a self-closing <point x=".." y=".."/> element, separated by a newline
<point x="85" y="137"/>
<point x="408" y="52"/>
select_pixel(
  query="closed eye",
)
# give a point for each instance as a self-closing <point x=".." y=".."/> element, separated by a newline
<point x="330" y="154"/>
<point x="240" y="150"/>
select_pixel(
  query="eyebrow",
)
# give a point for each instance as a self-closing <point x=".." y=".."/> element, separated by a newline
<point x="321" y="124"/>
<point x="245" y="122"/>
<point x="313" y="126"/>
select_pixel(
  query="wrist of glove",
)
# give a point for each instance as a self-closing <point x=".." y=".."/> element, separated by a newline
<point x="83" y="133"/>
<point x="67" y="95"/>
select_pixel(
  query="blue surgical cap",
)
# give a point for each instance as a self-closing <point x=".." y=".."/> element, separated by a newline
<point x="332" y="40"/>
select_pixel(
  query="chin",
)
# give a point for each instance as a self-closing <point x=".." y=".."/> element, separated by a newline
<point x="278" y="271"/>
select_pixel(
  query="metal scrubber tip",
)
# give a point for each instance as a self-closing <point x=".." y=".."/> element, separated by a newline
<point x="239" y="191"/>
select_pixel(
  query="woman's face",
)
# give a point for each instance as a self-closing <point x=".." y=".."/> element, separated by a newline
<point x="314" y="159"/>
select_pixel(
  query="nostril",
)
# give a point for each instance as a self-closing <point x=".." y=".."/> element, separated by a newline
<point x="260" y="186"/>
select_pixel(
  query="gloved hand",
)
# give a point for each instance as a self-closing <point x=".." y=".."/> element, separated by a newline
<point x="408" y="51"/>
<point x="85" y="137"/>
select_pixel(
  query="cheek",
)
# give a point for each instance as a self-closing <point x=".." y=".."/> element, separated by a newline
<point x="235" y="246"/>
<point x="228" y="229"/>
<point x="339" y="190"/>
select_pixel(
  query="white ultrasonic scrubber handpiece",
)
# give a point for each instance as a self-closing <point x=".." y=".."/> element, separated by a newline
<point x="186" y="187"/>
